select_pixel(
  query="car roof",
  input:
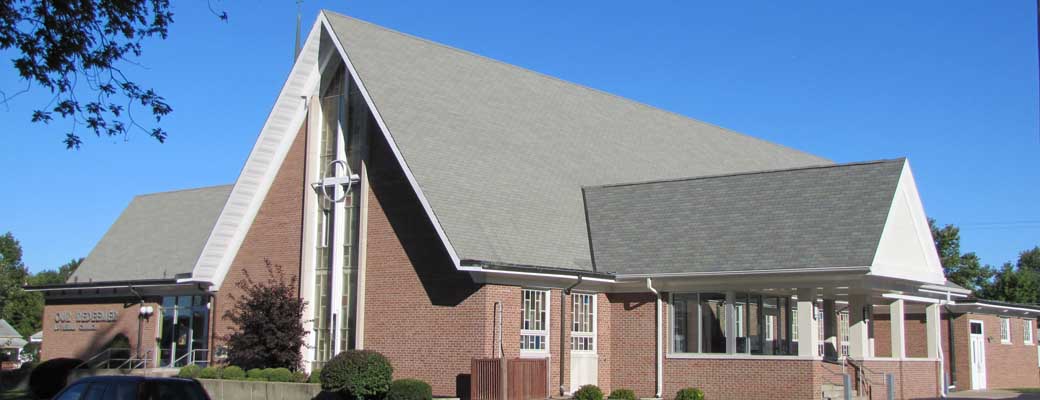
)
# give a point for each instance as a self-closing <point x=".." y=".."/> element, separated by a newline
<point x="130" y="378"/>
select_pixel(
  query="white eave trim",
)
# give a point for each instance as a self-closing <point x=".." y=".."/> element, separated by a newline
<point x="261" y="167"/>
<point x="393" y="144"/>
<point x="533" y="274"/>
<point x="622" y="277"/>
<point x="969" y="306"/>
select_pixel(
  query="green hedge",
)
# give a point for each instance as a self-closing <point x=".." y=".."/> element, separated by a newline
<point x="190" y="371"/>
<point x="622" y="394"/>
<point x="209" y="373"/>
<point x="409" y="389"/>
<point x="588" y="392"/>
<point x="357" y="374"/>
<point x="279" y="375"/>
<point x="256" y="374"/>
<point x="689" y="394"/>
<point x="315" y="376"/>
<point x="233" y="373"/>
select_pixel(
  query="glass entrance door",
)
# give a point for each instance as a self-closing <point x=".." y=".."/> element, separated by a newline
<point x="184" y="331"/>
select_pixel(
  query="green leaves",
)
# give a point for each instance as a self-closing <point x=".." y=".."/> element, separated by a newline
<point x="1019" y="283"/>
<point x="75" y="49"/>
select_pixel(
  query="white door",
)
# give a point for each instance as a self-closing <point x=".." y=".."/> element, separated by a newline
<point x="977" y="347"/>
<point x="584" y="359"/>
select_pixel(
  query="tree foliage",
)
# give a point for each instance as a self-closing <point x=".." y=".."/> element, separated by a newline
<point x="963" y="269"/>
<point x="75" y="49"/>
<point x="267" y="318"/>
<point x="24" y="310"/>
<point x="1019" y="282"/>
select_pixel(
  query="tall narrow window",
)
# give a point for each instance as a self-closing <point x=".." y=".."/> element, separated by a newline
<point x="1027" y="331"/>
<point x="534" y="326"/>
<point x="1005" y="330"/>
<point x="843" y="325"/>
<point x="583" y="322"/>
<point x="770" y="327"/>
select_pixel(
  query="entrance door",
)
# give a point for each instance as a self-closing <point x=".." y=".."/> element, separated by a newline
<point x="977" y="347"/>
<point x="584" y="360"/>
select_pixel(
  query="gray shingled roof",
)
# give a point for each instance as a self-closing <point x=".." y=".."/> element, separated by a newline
<point x="158" y="236"/>
<point x="501" y="152"/>
<point x="7" y="331"/>
<point x="818" y="217"/>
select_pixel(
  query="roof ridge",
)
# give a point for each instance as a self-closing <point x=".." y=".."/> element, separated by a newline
<point x="759" y="172"/>
<point x="566" y="82"/>
<point x="184" y="190"/>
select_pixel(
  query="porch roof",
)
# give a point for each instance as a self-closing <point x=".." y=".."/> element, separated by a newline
<point x="799" y="220"/>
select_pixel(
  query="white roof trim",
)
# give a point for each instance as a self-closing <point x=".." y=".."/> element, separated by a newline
<point x="261" y="167"/>
<point x="393" y="144"/>
<point x="906" y="249"/>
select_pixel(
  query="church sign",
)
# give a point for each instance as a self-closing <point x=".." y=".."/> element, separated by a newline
<point x="82" y="320"/>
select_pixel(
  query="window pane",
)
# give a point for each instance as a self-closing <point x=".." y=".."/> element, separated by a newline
<point x="713" y="322"/>
<point x="533" y="323"/>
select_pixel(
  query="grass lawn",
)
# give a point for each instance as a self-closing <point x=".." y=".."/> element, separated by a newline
<point x="14" y="395"/>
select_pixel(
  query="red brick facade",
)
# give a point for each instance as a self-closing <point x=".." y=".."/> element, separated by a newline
<point x="1011" y="365"/>
<point x="82" y="345"/>
<point x="276" y="234"/>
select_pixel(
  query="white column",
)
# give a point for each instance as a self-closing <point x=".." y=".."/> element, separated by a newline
<point x="859" y="332"/>
<point x="731" y="322"/>
<point x="807" y="324"/>
<point x="933" y="326"/>
<point x="830" y="329"/>
<point x="896" y="312"/>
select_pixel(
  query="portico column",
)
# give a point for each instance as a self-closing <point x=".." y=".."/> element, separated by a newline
<point x="830" y="329"/>
<point x="896" y="317"/>
<point x="859" y="331"/>
<point x="731" y="322"/>
<point x="933" y="326"/>
<point x="807" y="324"/>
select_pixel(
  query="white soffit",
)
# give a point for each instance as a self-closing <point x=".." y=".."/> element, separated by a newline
<point x="261" y="167"/>
<point x="906" y="249"/>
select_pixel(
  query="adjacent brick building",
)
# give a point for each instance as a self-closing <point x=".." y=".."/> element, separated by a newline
<point x="440" y="207"/>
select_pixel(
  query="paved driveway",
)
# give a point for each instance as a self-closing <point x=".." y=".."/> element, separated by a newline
<point x="993" y="394"/>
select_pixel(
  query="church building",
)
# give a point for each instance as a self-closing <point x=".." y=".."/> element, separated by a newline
<point x="439" y="207"/>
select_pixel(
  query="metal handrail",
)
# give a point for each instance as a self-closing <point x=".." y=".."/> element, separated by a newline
<point x="107" y="361"/>
<point x="190" y="356"/>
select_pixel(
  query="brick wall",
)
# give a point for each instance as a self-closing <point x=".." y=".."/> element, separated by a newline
<point x="915" y="335"/>
<point x="85" y="344"/>
<point x="275" y="235"/>
<point x="916" y="379"/>
<point x="632" y="345"/>
<point x="1007" y="365"/>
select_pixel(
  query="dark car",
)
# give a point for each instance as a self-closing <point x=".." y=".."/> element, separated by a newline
<point x="133" y="388"/>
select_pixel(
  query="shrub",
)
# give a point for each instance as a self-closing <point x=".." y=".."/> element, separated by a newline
<point x="622" y="394"/>
<point x="191" y="371"/>
<point x="588" y="392"/>
<point x="209" y="373"/>
<point x="268" y="322"/>
<point x="689" y="394"/>
<point x="256" y="374"/>
<point x="357" y="373"/>
<point x="233" y="373"/>
<point x="279" y="375"/>
<point x="409" y="389"/>
<point x="315" y="376"/>
<point x="51" y="376"/>
<point x="299" y="377"/>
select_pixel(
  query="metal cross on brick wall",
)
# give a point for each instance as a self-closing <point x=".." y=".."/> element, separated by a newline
<point x="339" y="183"/>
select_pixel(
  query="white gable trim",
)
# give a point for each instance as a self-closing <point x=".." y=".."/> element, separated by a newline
<point x="906" y="249"/>
<point x="272" y="145"/>
<point x="393" y="144"/>
<point x="261" y="167"/>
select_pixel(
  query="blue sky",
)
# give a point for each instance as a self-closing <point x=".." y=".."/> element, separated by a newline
<point x="950" y="84"/>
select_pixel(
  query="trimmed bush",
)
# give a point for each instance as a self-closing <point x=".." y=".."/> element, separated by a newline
<point x="588" y="392"/>
<point x="209" y="373"/>
<point x="622" y="394"/>
<point x="689" y="394"/>
<point x="299" y="377"/>
<point x="357" y="374"/>
<point x="279" y="375"/>
<point x="51" y="376"/>
<point x="256" y="374"/>
<point x="409" y="389"/>
<point x="233" y="373"/>
<point x="315" y="376"/>
<point x="190" y="371"/>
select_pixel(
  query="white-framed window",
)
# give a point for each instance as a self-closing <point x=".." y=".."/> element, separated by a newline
<point x="770" y="326"/>
<point x="1027" y="331"/>
<point x="794" y="323"/>
<point x="534" y="323"/>
<point x="843" y="327"/>
<point x="583" y="322"/>
<point x="1005" y="330"/>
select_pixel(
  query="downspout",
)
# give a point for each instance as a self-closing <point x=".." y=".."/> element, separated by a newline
<point x="563" y="328"/>
<point x="659" y="356"/>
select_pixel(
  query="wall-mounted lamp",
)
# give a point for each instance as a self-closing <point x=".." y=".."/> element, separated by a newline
<point x="147" y="311"/>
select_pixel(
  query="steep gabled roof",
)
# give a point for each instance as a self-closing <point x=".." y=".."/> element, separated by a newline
<point x="501" y="153"/>
<point x="157" y="236"/>
<point x="7" y="331"/>
<point x="825" y="217"/>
